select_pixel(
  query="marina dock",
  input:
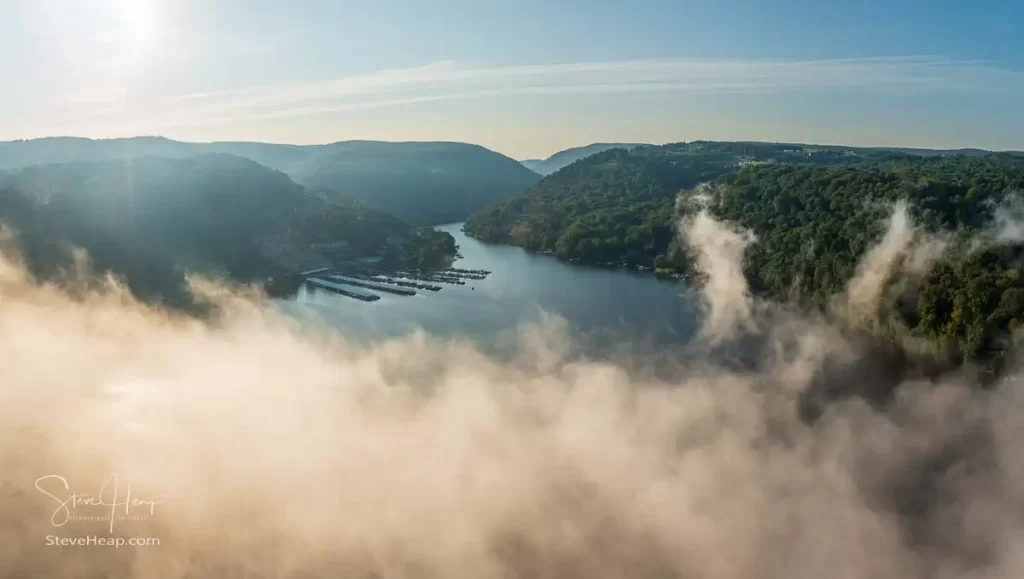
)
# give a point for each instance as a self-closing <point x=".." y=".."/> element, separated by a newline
<point x="366" y="282"/>
<point x="343" y="290"/>
<point x="406" y="282"/>
<point x="374" y="286"/>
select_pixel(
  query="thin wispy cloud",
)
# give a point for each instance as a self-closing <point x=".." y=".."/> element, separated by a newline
<point x="451" y="80"/>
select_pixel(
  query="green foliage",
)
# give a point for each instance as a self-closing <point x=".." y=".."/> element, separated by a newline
<point x="430" y="248"/>
<point x="372" y="232"/>
<point x="365" y="229"/>
<point x="422" y="183"/>
<point x="615" y="206"/>
<point x="150" y="220"/>
<point x="815" y="212"/>
<point x="814" y="226"/>
<point x="570" y="156"/>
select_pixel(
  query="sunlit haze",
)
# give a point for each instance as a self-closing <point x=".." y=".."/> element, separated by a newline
<point x="540" y="289"/>
<point x="525" y="78"/>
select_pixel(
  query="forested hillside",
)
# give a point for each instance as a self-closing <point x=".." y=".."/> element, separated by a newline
<point x="815" y="211"/>
<point x="569" y="156"/>
<point x="149" y="220"/>
<point x="815" y="224"/>
<point x="424" y="183"/>
<point x="617" y="206"/>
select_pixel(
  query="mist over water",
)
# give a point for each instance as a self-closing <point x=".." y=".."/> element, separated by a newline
<point x="604" y="310"/>
<point x="280" y="449"/>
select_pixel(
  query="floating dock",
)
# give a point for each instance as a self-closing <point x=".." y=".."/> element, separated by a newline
<point x="314" y="271"/>
<point x="404" y="282"/>
<point x="343" y="290"/>
<point x="374" y="286"/>
<point x="464" y="273"/>
<point x="442" y="279"/>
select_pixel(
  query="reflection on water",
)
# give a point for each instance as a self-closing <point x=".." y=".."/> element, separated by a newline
<point x="603" y="307"/>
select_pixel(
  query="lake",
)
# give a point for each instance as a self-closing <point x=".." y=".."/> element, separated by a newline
<point x="601" y="307"/>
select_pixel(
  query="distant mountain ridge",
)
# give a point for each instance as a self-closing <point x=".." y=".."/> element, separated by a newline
<point x="569" y="156"/>
<point x="422" y="182"/>
<point x="915" y="151"/>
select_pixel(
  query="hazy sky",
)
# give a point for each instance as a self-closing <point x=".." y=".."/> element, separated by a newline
<point x="525" y="78"/>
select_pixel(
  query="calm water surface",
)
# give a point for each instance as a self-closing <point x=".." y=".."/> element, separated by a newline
<point x="599" y="306"/>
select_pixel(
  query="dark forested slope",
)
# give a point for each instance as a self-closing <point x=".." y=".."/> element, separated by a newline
<point x="425" y="183"/>
<point x="149" y="220"/>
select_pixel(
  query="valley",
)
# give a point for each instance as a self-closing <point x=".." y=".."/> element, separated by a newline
<point x="153" y="221"/>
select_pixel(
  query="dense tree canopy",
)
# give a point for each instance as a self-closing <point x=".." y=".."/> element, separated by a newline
<point x="423" y="183"/>
<point x="815" y="211"/>
<point x="570" y="156"/>
<point x="610" y="207"/>
<point x="814" y="226"/>
<point x="150" y="220"/>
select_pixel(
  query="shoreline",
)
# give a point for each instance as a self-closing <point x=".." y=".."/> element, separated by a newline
<point x="637" y="270"/>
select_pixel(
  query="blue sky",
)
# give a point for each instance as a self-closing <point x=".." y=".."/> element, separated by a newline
<point x="525" y="78"/>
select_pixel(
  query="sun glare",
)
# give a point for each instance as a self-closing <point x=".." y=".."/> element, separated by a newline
<point x="138" y="29"/>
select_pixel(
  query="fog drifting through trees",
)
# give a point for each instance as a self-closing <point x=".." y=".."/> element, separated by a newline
<point x="283" y="451"/>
